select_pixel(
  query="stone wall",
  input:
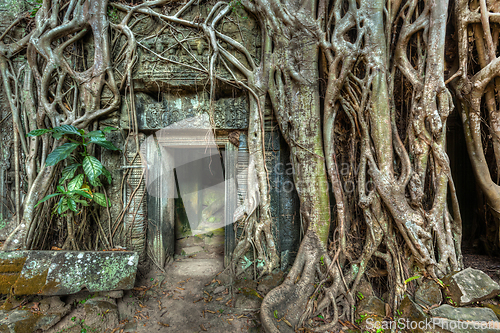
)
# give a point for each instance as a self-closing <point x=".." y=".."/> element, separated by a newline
<point x="171" y="83"/>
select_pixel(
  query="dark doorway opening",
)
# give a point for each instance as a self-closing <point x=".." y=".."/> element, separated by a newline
<point x="473" y="226"/>
<point x="200" y="200"/>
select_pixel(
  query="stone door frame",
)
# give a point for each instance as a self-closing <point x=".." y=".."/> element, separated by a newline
<point x="162" y="237"/>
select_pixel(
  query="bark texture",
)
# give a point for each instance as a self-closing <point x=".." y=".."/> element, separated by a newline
<point x="361" y="92"/>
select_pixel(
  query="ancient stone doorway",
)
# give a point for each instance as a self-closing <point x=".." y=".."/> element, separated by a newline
<point x="191" y="189"/>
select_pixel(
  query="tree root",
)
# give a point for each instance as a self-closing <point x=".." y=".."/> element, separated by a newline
<point x="283" y="306"/>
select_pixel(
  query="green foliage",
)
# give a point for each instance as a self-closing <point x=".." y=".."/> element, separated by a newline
<point x="3" y="223"/>
<point x="412" y="278"/>
<point x="74" y="186"/>
<point x="113" y="15"/>
<point x="86" y="299"/>
<point x="36" y="6"/>
<point x="276" y="314"/>
<point x="361" y="318"/>
<point x="11" y="9"/>
<point x="237" y="8"/>
<point x="322" y="260"/>
<point x="360" y="295"/>
<point x="451" y="301"/>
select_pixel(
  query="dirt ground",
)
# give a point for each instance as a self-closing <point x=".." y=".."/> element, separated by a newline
<point x="183" y="300"/>
<point x="190" y="296"/>
<point x="194" y="294"/>
<point x="485" y="263"/>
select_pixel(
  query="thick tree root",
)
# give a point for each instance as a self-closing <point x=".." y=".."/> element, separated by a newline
<point x="283" y="307"/>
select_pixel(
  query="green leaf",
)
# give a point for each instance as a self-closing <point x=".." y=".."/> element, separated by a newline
<point x="71" y="204"/>
<point x="47" y="197"/>
<point x="94" y="134"/>
<point x="82" y="202"/>
<point x="69" y="172"/>
<point x="57" y="135"/>
<point x="100" y="199"/>
<point x="61" y="189"/>
<point x="82" y="193"/>
<point x="96" y="182"/>
<point x="63" y="206"/>
<point x="276" y="314"/>
<point x="109" y="129"/>
<point x="92" y="167"/>
<point x="103" y="143"/>
<point x="107" y="174"/>
<point x="67" y="129"/>
<point x="60" y="153"/>
<point x="76" y="183"/>
<point x="412" y="278"/>
<point x="38" y="132"/>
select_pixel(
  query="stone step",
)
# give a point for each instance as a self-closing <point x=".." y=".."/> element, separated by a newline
<point x="196" y="267"/>
<point x="189" y="251"/>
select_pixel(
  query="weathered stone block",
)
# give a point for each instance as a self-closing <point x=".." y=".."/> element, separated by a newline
<point x="465" y="320"/>
<point x="470" y="285"/>
<point x="51" y="310"/>
<point x="411" y="312"/>
<point x="494" y="307"/>
<point x="471" y="314"/>
<point x="101" y="314"/>
<point x="66" y="272"/>
<point x="429" y="294"/>
<point x="371" y="306"/>
<point x="370" y="312"/>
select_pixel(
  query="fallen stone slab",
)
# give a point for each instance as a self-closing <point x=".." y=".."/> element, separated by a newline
<point x="371" y="306"/>
<point x="413" y="314"/>
<point x="370" y="312"/>
<point x="11" y="265"/>
<point x="464" y="320"/>
<point x="26" y="321"/>
<point x="429" y="294"/>
<point x="464" y="314"/>
<point x="54" y="306"/>
<point x="469" y="286"/>
<point x="36" y="315"/>
<point x="101" y="314"/>
<point x="197" y="267"/>
<point x="66" y="272"/>
<point x="112" y="294"/>
<point x="456" y="326"/>
<point x="494" y="307"/>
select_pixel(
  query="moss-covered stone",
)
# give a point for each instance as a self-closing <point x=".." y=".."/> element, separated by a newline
<point x="67" y="272"/>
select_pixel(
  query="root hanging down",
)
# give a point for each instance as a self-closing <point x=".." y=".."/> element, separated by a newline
<point x="361" y="92"/>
